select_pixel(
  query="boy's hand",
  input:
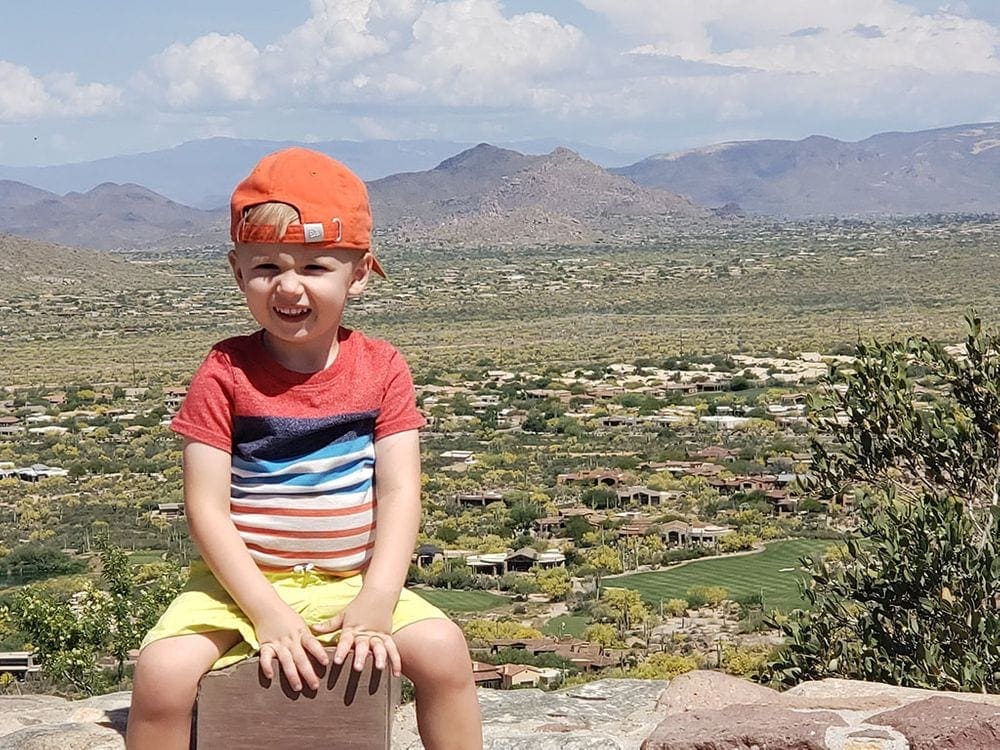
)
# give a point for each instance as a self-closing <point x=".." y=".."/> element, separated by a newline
<point x="285" y="637"/>
<point x="366" y="626"/>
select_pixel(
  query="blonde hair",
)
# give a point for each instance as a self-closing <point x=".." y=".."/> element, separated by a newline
<point x="279" y="215"/>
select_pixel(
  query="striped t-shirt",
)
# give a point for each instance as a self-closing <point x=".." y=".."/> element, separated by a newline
<point x="303" y="445"/>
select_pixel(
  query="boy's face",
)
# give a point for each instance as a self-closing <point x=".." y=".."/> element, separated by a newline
<point x="297" y="293"/>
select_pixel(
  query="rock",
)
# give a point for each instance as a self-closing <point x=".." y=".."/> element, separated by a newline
<point x="703" y="710"/>
<point x="20" y="711"/>
<point x="706" y="690"/>
<point x="744" y="727"/>
<point x="45" y="722"/>
<point x="602" y="715"/>
<point x="701" y="707"/>
<point x="833" y="690"/>
<point x="63" y="737"/>
<point x="943" y="723"/>
<point x="110" y="710"/>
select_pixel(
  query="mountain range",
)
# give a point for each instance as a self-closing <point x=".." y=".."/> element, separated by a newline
<point x="202" y="173"/>
<point x="493" y="194"/>
<point x="946" y="170"/>
<point x="488" y="194"/>
<point x="108" y="216"/>
<point x="484" y="194"/>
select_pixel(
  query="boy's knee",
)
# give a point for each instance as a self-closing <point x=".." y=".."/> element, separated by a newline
<point x="162" y="683"/>
<point x="446" y="639"/>
<point x="443" y="655"/>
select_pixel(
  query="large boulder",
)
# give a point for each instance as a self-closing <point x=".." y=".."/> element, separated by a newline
<point x="713" y="711"/>
<point x="602" y="715"/>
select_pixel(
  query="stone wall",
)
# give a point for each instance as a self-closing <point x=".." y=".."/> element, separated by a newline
<point x="697" y="711"/>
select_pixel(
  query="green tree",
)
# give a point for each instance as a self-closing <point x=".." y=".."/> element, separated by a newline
<point x="32" y="562"/>
<point x="663" y="666"/>
<point x="712" y="596"/>
<point x="913" y="600"/>
<point x="603" y="634"/>
<point x="675" y="607"/>
<point x="576" y="527"/>
<point x="737" y="542"/>
<point x="553" y="582"/>
<point x="623" y="606"/>
<point x="599" y="496"/>
<point x="523" y="514"/>
<point x="73" y="634"/>
<point x="603" y="560"/>
<point x="534" y="422"/>
<point x="745" y="661"/>
<point x="489" y="630"/>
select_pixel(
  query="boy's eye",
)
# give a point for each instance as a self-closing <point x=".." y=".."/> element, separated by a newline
<point x="316" y="267"/>
<point x="265" y="267"/>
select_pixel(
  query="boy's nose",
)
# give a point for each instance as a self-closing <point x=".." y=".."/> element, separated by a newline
<point x="289" y="283"/>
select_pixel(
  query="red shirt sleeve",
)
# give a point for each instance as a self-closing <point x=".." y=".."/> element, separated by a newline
<point x="398" y="411"/>
<point x="207" y="412"/>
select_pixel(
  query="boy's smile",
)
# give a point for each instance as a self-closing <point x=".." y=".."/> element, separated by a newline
<point x="298" y="293"/>
<point x="291" y="313"/>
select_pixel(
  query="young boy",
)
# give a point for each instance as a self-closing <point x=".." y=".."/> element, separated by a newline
<point x="302" y="477"/>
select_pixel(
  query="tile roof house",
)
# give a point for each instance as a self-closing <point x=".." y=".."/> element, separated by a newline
<point x="682" y="532"/>
<point x="11" y="426"/>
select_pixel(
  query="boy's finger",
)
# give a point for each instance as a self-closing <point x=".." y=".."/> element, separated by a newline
<point x="379" y="655"/>
<point x="267" y="660"/>
<point x="288" y="669"/>
<point x="317" y="649"/>
<point x="393" y="655"/>
<point x="305" y="668"/>
<point x="343" y="646"/>
<point x="361" y="648"/>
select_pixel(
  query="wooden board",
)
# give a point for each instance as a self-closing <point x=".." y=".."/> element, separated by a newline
<point x="240" y="708"/>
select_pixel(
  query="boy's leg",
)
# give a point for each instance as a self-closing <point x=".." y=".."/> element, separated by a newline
<point x="165" y="686"/>
<point x="435" y="658"/>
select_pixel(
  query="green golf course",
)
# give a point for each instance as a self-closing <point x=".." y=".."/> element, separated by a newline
<point x="775" y="572"/>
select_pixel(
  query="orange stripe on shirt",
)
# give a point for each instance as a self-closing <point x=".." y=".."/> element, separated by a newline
<point x="300" y="512"/>
<point x="288" y="534"/>
<point x="299" y="554"/>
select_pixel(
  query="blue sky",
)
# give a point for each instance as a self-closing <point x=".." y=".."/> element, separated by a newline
<point x="642" y="76"/>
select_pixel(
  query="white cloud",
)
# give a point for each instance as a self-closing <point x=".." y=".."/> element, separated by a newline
<point x="22" y="95"/>
<point x="371" y="128"/>
<point x="666" y="71"/>
<point x="453" y="52"/>
<point x="467" y="52"/>
<point x="394" y="128"/>
<point x="25" y="96"/>
<point x="844" y="35"/>
<point x="214" y="67"/>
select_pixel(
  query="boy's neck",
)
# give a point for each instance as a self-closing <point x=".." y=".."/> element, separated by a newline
<point x="303" y="359"/>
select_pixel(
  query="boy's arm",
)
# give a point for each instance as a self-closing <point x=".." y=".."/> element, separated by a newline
<point x="397" y="519"/>
<point x="206" y="504"/>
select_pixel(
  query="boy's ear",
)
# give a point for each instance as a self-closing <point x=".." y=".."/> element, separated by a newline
<point x="234" y="263"/>
<point x="362" y="272"/>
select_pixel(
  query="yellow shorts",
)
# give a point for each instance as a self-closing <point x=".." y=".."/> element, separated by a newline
<point x="204" y="606"/>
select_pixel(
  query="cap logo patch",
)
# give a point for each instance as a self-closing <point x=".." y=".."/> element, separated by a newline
<point x="313" y="232"/>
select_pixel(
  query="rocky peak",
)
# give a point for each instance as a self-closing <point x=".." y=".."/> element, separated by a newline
<point x="482" y="157"/>
<point x="15" y="194"/>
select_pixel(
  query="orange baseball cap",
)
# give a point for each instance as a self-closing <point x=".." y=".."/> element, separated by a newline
<point x="331" y="200"/>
